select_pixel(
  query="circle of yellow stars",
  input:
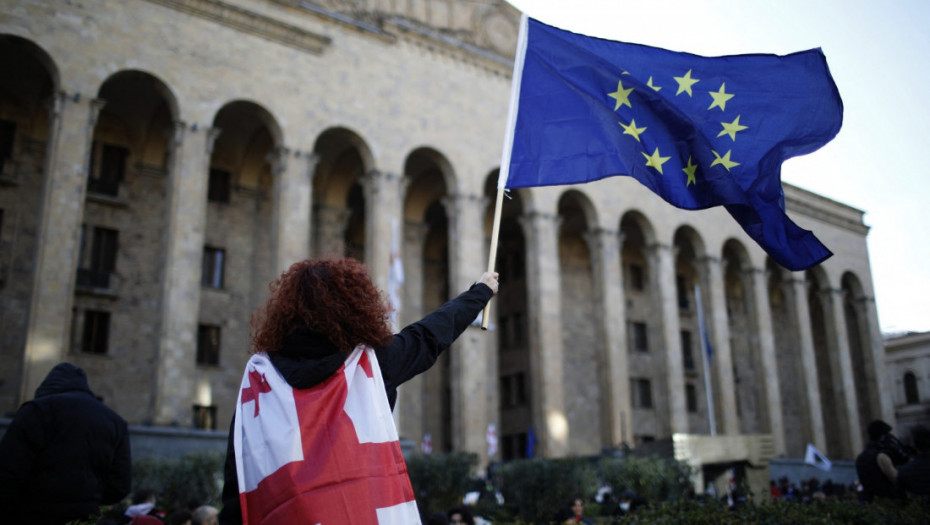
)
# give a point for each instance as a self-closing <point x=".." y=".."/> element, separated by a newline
<point x="686" y="83"/>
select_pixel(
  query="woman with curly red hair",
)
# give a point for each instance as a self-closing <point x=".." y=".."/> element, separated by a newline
<point x="322" y="317"/>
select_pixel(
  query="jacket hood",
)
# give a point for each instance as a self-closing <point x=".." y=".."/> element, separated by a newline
<point x="307" y="358"/>
<point x="65" y="377"/>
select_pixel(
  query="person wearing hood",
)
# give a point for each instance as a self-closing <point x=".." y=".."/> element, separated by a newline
<point x="319" y="312"/>
<point x="64" y="454"/>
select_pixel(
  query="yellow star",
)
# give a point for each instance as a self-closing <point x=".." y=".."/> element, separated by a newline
<point x="724" y="160"/>
<point x="731" y="128"/>
<point x="685" y="83"/>
<point x="655" y="160"/>
<point x="690" y="169"/>
<point x="632" y="129"/>
<point x="622" y="96"/>
<point x="653" y="86"/>
<point x="720" y="98"/>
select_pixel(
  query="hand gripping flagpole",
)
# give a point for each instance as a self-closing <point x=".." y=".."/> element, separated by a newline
<point x="505" y="154"/>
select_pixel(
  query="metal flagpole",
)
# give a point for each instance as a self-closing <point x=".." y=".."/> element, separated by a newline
<point x="708" y="387"/>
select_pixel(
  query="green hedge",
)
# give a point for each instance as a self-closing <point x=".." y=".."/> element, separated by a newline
<point x="652" y="478"/>
<point x="197" y="475"/>
<point x="440" y="480"/>
<point x="536" y="489"/>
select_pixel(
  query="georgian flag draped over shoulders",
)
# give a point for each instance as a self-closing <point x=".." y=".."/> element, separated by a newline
<point x="327" y="455"/>
<point x="698" y="131"/>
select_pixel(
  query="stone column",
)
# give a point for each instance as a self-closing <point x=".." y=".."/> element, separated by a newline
<point x="848" y="380"/>
<point x="810" y="380"/>
<point x="409" y="407"/>
<point x="608" y="287"/>
<point x="382" y="200"/>
<point x="184" y="238"/>
<point x="544" y="303"/>
<point x="766" y="348"/>
<point x="663" y="260"/>
<point x="471" y="374"/>
<point x="876" y="351"/>
<point x="292" y="206"/>
<point x="67" y="156"/>
<point x="722" y="360"/>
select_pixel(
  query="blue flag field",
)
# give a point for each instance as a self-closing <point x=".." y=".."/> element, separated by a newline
<point x="698" y="131"/>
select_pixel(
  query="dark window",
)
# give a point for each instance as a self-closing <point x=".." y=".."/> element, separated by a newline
<point x="637" y="277"/>
<point x="514" y="446"/>
<point x="106" y="176"/>
<point x="205" y="417"/>
<point x="214" y="260"/>
<point x="7" y="134"/>
<point x="98" y="259"/>
<point x="519" y="334"/>
<point x="691" y="397"/>
<point x="219" y="189"/>
<point x="640" y="337"/>
<point x="911" y="396"/>
<point x="96" y="332"/>
<point x="681" y="284"/>
<point x="208" y="345"/>
<point x="687" y="354"/>
<point x="641" y="391"/>
<point x="513" y="390"/>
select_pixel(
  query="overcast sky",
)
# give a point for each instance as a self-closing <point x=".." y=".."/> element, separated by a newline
<point x="878" y="54"/>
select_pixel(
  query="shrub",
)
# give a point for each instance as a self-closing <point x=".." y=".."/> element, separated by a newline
<point x="653" y="478"/>
<point x="198" y="475"/>
<point x="440" y="480"/>
<point x="536" y="489"/>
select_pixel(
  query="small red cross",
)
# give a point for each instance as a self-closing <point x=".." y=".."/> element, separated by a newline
<point x="257" y="385"/>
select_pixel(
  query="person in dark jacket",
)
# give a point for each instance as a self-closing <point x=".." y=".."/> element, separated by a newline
<point x="320" y="310"/>
<point x="875" y="466"/>
<point x="64" y="454"/>
<point x="914" y="477"/>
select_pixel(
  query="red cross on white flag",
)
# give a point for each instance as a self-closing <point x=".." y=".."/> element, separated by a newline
<point x="327" y="455"/>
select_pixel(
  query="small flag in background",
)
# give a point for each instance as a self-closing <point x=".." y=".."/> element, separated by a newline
<point x="698" y="131"/>
<point x="395" y="275"/>
<point x="814" y="457"/>
<point x="426" y="446"/>
<point x="492" y="440"/>
<point x="530" y="443"/>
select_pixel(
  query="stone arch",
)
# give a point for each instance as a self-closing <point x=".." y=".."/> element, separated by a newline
<point x="829" y="379"/>
<point x="860" y="348"/>
<point x="584" y="353"/>
<point x="789" y="361"/>
<point x="748" y="373"/>
<point x="689" y="258"/>
<point x="30" y="84"/>
<point x="911" y="394"/>
<point x="248" y="138"/>
<point x="338" y="196"/>
<point x="648" y="369"/>
<point x="511" y="310"/>
<point x="428" y="178"/>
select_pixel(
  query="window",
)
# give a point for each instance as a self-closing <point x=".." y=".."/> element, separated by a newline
<point x="7" y="134"/>
<point x="205" y="417"/>
<point x="641" y="393"/>
<point x="208" y="345"/>
<point x="219" y="188"/>
<point x="687" y="354"/>
<point x="514" y="446"/>
<point x="96" y="332"/>
<point x="640" y="337"/>
<point x="691" y="397"/>
<point x="106" y="175"/>
<point x="98" y="257"/>
<point x="214" y="260"/>
<point x="513" y="390"/>
<point x="637" y="277"/>
<point x="911" y="396"/>
<point x="681" y="285"/>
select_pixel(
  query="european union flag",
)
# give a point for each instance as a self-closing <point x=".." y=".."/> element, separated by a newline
<point x="698" y="131"/>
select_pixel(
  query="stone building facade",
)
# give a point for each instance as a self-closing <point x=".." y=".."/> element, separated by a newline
<point x="163" y="160"/>
<point x="908" y="364"/>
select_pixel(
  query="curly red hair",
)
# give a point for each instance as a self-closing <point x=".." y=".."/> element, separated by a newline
<point x="334" y="297"/>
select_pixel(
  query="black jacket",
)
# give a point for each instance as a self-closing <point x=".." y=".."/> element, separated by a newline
<point x="874" y="482"/>
<point x="64" y="454"/>
<point x="308" y="358"/>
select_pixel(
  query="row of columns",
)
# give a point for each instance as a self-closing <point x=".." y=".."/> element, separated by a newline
<point x="71" y="131"/>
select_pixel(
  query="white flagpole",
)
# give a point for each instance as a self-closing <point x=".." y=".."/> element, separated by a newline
<point x="708" y="387"/>
<point x="505" y="154"/>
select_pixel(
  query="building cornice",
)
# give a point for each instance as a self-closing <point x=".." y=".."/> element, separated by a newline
<point x="823" y="209"/>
